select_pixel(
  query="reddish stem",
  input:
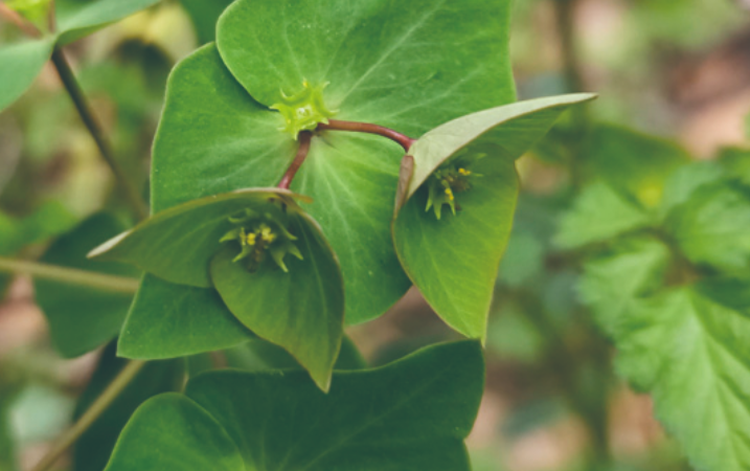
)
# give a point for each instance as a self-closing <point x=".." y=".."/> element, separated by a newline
<point x="304" y="147"/>
<point x="337" y="125"/>
<point x="18" y="20"/>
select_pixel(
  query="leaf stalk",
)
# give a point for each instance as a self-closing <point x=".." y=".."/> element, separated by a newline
<point x="338" y="125"/>
<point x="101" y="281"/>
<point x="305" y="137"/>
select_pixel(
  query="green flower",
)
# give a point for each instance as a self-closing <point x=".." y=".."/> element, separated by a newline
<point x="303" y="110"/>
<point x="445" y="182"/>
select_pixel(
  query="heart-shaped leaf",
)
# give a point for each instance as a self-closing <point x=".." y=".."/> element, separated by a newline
<point x="302" y="309"/>
<point x="19" y="65"/>
<point x="168" y="320"/>
<point x="452" y="255"/>
<point x="82" y="318"/>
<point x="178" y="244"/>
<point x="410" y="415"/>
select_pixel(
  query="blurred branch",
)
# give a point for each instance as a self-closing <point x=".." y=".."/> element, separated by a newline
<point x="565" y="16"/>
<point x="92" y="413"/>
<point x="89" y="120"/>
<point x="118" y="284"/>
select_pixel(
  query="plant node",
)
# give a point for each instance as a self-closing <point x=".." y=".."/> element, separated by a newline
<point x="303" y="110"/>
<point x="258" y="235"/>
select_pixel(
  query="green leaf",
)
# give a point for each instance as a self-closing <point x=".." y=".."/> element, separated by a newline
<point x="93" y="448"/>
<point x="736" y="161"/>
<point x="307" y="302"/>
<point x="410" y="79"/>
<point x="81" y="318"/>
<point x="454" y="259"/>
<point x="160" y="244"/>
<point x="172" y="433"/>
<point x="407" y="65"/>
<point x="19" y="66"/>
<point x="685" y="180"/>
<point x="78" y="18"/>
<point x="689" y="348"/>
<point x="168" y="320"/>
<point x="412" y="414"/>
<point x="711" y="226"/>
<point x="635" y="164"/>
<point x="204" y="14"/>
<point x="614" y="280"/>
<point x="599" y="214"/>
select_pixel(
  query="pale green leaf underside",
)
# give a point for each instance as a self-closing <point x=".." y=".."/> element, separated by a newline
<point x="77" y="18"/>
<point x="454" y="261"/>
<point x="302" y="310"/>
<point x="692" y="352"/>
<point x="514" y="128"/>
<point x="177" y="244"/>
<point x="599" y="214"/>
<point x="412" y="414"/>
<point x="168" y="320"/>
<point x="406" y="65"/>
<point x="19" y="65"/>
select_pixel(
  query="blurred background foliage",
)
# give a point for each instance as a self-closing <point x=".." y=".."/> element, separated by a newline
<point x="674" y="84"/>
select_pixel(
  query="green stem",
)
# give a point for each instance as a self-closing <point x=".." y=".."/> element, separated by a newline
<point x="338" y="125"/>
<point x="87" y="116"/>
<point x="101" y="281"/>
<point x="92" y="413"/>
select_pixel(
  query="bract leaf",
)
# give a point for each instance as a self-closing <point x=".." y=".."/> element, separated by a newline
<point x="93" y="449"/>
<point x="453" y="259"/>
<point x="78" y="18"/>
<point x="19" y="66"/>
<point x="172" y="433"/>
<point x="168" y="320"/>
<point x="599" y="214"/>
<point x="81" y="318"/>
<point x="384" y="62"/>
<point x="178" y="244"/>
<point x="204" y="14"/>
<point x="711" y="226"/>
<point x="689" y="348"/>
<point x="301" y="309"/>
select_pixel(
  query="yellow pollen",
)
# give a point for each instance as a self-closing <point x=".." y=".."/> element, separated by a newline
<point x="251" y="238"/>
<point x="464" y="172"/>
<point x="266" y="234"/>
<point x="449" y="192"/>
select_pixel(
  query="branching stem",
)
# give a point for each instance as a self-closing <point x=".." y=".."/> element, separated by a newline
<point x="117" y="284"/>
<point x="101" y="404"/>
<point x="89" y="120"/>
<point x="338" y="125"/>
<point x="304" y="148"/>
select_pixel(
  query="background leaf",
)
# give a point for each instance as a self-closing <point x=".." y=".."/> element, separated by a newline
<point x="168" y="320"/>
<point x="81" y="318"/>
<point x="19" y="66"/>
<point x="93" y="448"/>
<point x="204" y="14"/>
<point x="78" y="18"/>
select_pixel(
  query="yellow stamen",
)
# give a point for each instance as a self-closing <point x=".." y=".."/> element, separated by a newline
<point x="449" y="192"/>
<point x="251" y="238"/>
<point x="464" y="172"/>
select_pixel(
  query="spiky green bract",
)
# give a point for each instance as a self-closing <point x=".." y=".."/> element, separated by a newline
<point x="411" y="414"/>
<point x="454" y="260"/>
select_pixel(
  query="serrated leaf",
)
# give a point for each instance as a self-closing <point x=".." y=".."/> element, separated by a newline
<point x="93" y="448"/>
<point x="614" y="280"/>
<point x="81" y="318"/>
<point x="411" y="414"/>
<point x="687" y="179"/>
<point x="168" y="320"/>
<point x="204" y="14"/>
<point x="454" y="260"/>
<point x="19" y="66"/>
<point x="78" y="18"/>
<point x="689" y="348"/>
<point x="711" y="226"/>
<point x="634" y="163"/>
<point x="599" y="214"/>
<point x="172" y="433"/>
<point x="160" y="244"/>
<point x="301" y="310"/>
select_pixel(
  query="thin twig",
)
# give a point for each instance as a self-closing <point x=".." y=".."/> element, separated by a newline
<point x="101" y="281"/>
<point x="87" y="116"/>
<point x="101" y="403"/>
<point x="304" y="147"/>
<point x="338" y="125"/>
<point x="24" y="25"/>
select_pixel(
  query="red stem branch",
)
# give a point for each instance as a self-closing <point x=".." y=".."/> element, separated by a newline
<point x="13" y="16"/>
<point x="304" y="147"/>
<point x="337" y="125"/>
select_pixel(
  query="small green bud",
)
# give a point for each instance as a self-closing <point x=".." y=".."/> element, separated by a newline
<point x="303" y="110"/>
<point x="260" y="234"/>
